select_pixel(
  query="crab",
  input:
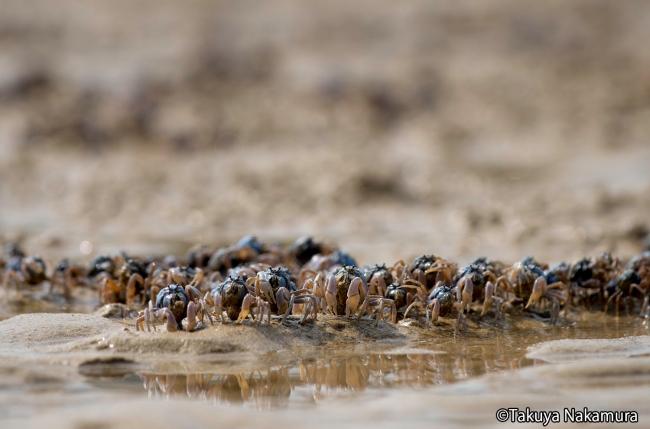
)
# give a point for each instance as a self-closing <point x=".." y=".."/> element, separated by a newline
<point x="345" y="289"/>
<point x="431" y="269"/>
<point x="161" y="275"/>
<point x="230" y="257"/>
<point x="557" y="293"/>
<point x="529" y="260"/>
<point x="587" y="275"/>
<point x="399" y="295"/>
<point x="639" y="261"/>
<point x="378" y="277"/>
<point x="335" y="259"/>
<point x="528" y="282"/>
<point x="630" y="284"/>
<point x="228" y="296"/>
<point x="248" y="249"/>
<point x="277" y="287"/>
<point x="346" y="294"/>
<point x="439" y="303"/>
<point x="21" y="271"/>
<point x="130" y="281"/>
<point x="67" y="275"/>
<point x="304" y="248"/>
<point x="104" y="264"/>
<point x="486" y="264"/>
<point x="132" y="274"/>
<point x="481" y="274"/>
<point x="238" y="301"/>
<point x="198" y="256"/>
<point x="560" y="272"/>
<point x="520" y="279"/>
<point x="246" y="271"/>
<point x="173" y="304"/>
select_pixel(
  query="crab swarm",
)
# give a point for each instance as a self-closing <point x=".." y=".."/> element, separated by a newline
<point x="267" y="283"/>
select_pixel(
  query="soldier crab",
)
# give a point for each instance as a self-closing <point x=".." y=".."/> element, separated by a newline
<point x="173" y="304"/>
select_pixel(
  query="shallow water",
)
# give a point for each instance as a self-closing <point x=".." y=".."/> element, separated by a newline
<point x="316" y="376"/>
<point x="312" y="381"/>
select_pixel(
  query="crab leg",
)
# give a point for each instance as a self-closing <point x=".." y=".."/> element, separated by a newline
<point x="145" y="318"/>
<point x="644" y="307"/>
<point x="12" y="276"/>
<point x="198" y="278"/>
<point x="172" y="326"/>
<point x="363" y="308"/>
<point x="266" y="309"/>
<point x="417" y="302"/>
<point x="311" y="306"/>
<point x="204" y="311"/>
<point x="192" y="293"/>
<point x="289" y="307"/>
<point x="308" y="307"/>
<point x="245" y="308"/>
<point x="131" y="287"/>
<point x="419" y="276"/>
<point x="461" y="321"/>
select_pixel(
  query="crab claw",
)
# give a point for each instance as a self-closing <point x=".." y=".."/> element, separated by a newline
<point x="539" y="290"/>
<point x="281" y="298"/>
<point x="263" y="289"/>
<point x="172" y="326"/>
<point x="352" y="302"/>
<point x="464" y="293"/>
<point x="289" y="308"/>
<point x="330" y="294"/>
<point x="318" y="286"/>
<point x="435" y="311"/>
<point x="489" y="293"/>
<point x="191" y="317"/>
<point x="218" y="309"/>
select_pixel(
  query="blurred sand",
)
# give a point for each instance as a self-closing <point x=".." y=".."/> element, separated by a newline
<point x="393" y="128"/>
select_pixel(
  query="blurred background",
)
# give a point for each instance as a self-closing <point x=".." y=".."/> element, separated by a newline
<point x="462" y="128"/>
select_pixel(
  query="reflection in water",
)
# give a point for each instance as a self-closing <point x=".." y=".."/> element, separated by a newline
<point x="316" y="379"/>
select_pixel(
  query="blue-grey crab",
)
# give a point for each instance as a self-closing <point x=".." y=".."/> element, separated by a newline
<point x="173" y="304"/>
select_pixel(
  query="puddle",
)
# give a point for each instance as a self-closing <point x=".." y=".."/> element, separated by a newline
<point x="312" y="381"/>
<point x="314" y="376"/>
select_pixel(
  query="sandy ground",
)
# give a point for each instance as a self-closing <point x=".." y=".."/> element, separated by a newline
<point x="47" y="358"/>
